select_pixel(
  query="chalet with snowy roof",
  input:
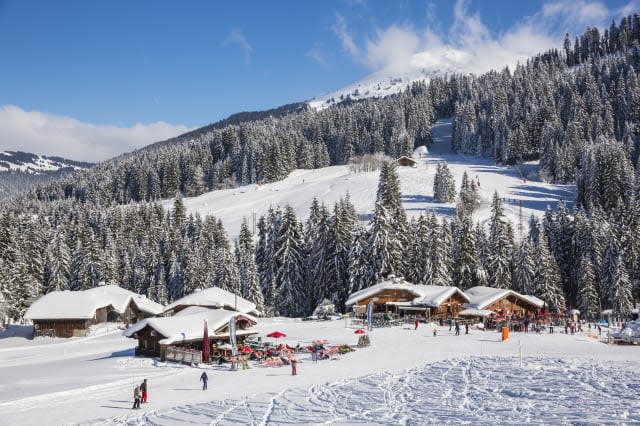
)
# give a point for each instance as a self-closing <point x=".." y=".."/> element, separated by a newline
<point x="213" y="298"/>
<point x="183" y="333"/>
<point x="486" y="301"/>
<point x="405" y="161"/>
<point x="396" y="294"/>
<point x="71" y="313"/>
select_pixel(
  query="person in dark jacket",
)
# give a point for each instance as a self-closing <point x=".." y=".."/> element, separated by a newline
<point x="143" y="389"/>
<point x="294" y="364"/>
<point x="457" y="328"/>
<point x="204" y="379"/>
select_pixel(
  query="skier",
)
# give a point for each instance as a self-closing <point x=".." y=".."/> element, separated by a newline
<point x="294" y="363"/>
<point x="136" y="397"/>
<point x="143" y="389"/>
<point x="204" y="379"/>
<point x="417" y="323"/>
<point x="457" y="328"/>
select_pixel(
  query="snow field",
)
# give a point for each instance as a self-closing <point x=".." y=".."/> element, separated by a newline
<point x="329" y="184"/>
<point x="466" y="377"/>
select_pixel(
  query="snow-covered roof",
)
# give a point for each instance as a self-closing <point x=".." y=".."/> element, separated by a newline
<point x="482" y="297"/>
<point x="189" y="326"/>
<point x="121" y="298"/>
<point x="83" y="304"/>
<point x="215" y="297"/>
<point x="426" y="295"/>
<point x="434" y="295"/>
<point x="475" y="312"/>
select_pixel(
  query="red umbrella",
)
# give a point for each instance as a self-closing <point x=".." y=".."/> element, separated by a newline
<point x="205" y="343"/>
<point x="246" y="350"/>
<point x="359" y="331"/>
<point x="276" y="334"/>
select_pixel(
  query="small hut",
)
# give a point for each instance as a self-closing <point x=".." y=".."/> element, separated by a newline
<point x="71" y="313"/>
<point x="405" y="161"/>
<point x="213" y="298"/>
<point x="182" y="333"/>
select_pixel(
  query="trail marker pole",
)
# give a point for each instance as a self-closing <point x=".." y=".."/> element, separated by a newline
<point x="520" y="341"/>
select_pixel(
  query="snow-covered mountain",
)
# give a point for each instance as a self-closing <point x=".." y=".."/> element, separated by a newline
<point x="37" y="164"/>
<point x="424" y="66"/>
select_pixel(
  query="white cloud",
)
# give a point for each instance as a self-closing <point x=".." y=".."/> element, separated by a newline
<point x="470" y="46"/>
<point x="393" y="47"/>
<point x="237" y="37"/>
<point x="340" y="29"/>
<point x="315" y="54"/>
<point x="576" y="12"/>
<point x="49" y="134"/>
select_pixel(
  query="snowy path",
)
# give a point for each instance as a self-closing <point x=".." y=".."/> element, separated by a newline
<point x="481" y="390"/>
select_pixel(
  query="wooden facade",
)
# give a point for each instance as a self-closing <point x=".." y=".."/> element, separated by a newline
<point x="406" y="162"/>
<point x="381" y="298"/>
<point x="149" y="340"/>
<point x="61" y="327"/>
<point x="449" y="308"/>
<point x="513" y="305"/>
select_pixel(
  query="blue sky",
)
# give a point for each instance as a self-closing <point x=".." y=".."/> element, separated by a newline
<point x="91" y="79"/>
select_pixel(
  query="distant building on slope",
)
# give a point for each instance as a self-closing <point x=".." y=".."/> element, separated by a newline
<point x="71" y="313"/>
<point x="485" y="301"/>
<point x="405" y="161"/>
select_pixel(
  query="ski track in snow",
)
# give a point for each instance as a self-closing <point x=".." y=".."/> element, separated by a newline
<point x="478" y="391"/>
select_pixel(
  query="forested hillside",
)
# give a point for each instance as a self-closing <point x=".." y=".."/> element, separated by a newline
<point x="576" y="110"/>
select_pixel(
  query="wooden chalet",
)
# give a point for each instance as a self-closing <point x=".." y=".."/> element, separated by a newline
<point x="405" y="161"/>
<point x="71" y="313"/>
<point x="212" y="298"/>
<point x="397" y="295"/>
<point x="160" y="336"/>
<point x="504" y="303"/>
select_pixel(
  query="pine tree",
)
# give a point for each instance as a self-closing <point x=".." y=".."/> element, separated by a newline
<point x="247" y="268"/>
<point x="57" y="263"/>
<point x="500" y="246"/>
<point x="620" y="291"/>
<point x="524" y="269"/>
<point x="444" y="190"/>
<point x="588" y="299"/>
<point x="290" y="266"/>
<point x="547" y="278"/>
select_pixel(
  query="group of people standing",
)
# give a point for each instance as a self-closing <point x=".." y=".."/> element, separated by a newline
<point x="140" y="394"/>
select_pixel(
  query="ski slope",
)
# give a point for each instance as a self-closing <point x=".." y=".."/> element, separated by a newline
<point x="406" y="376"/>
<point x="331" y="183"/>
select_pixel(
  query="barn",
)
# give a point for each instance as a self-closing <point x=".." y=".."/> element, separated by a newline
<point x="212" y="298"/>
<point x="405" y="161"/>
<point x="71" y="313"/>
<point x="183" y="332"/>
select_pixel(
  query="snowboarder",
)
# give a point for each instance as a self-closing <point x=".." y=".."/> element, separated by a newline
<point x="204" y="379"/>
<point x="417" y="323"/>
<point x="143" y="389"/>
<point x="457" y="328"/>
<point x="136" y="397"/>
<point x="294" y="364"/>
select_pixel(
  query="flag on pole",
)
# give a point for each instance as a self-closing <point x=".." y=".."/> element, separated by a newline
<point x="232" y="336"/>
<point x="370" y="314"/>
<point x="205" y="343"/>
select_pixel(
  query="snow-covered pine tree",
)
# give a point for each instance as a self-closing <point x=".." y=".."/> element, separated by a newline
<point x="548" y="286"/>
<point x="247" y="267"/>
<point x="500" y="246"/>
<point x="290" y="266"/>
<point x="588" y="300"/>
<point x="524" y="268"/>
<point x="57" y="263"/>
<point x="620" y="291"/>
<point x="360" y="270"/>
<point x="444" y="190"/>
<point x="465" y="253"/>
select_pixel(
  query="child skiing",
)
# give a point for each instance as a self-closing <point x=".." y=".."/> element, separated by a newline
<point x="143" y="389"/>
